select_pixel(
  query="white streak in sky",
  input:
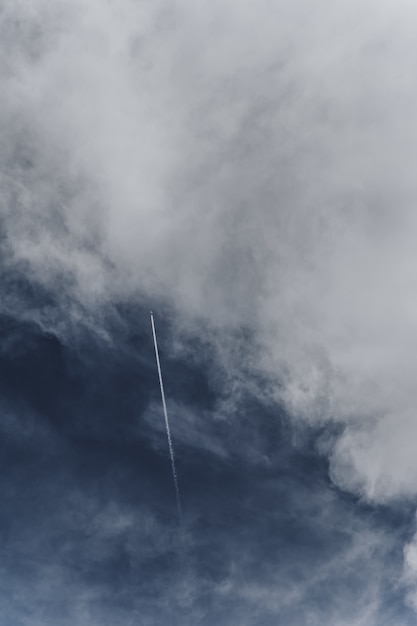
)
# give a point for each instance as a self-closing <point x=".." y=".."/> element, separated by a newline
<point x="171" y="449"/>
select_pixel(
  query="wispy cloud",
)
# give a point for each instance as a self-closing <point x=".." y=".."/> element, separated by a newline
<point x="247" y="167"/>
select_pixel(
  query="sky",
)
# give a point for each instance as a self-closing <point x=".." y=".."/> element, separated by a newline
<point x="245" y="171"/>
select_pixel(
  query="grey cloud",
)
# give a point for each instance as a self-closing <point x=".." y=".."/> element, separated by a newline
<point x="244" y="166"/>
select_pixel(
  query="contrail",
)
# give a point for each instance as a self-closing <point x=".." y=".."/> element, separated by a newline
<point x="171" y="449"/>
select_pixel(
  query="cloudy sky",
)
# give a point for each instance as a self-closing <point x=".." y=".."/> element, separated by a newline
<point x="247" y="171"/>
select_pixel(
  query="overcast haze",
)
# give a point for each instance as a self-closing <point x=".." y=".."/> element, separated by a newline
<point x="247" y="171"/>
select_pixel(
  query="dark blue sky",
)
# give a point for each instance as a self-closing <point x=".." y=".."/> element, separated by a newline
<point x="89" y="526"/>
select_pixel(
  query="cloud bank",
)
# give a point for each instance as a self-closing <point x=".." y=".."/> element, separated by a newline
<point x="246" y="167"/>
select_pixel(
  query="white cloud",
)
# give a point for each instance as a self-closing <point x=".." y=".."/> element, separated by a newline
<point x="250" y="166"/>
<point x="410" y="571"/>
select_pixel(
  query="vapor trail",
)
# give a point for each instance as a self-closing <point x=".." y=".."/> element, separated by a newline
<point x="171" y="449"/>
